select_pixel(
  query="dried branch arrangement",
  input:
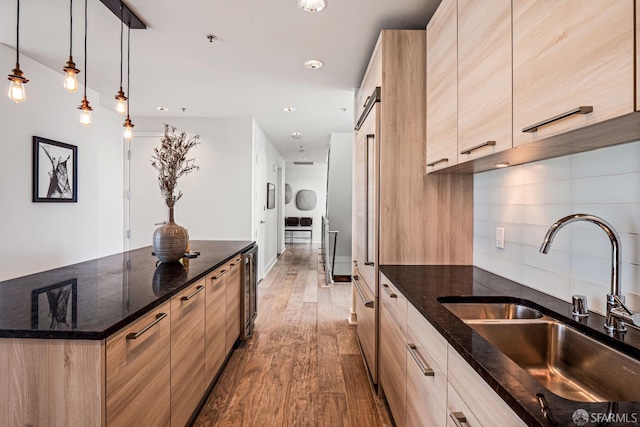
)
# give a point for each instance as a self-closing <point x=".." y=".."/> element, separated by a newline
<point x="170" y="160"/>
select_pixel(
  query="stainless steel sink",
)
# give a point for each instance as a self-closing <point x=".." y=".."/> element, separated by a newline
<point x="565" y="361"/>
<point x="468" y="311"/>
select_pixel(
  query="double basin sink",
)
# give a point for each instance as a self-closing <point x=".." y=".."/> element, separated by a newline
<point x="564" y="360"/>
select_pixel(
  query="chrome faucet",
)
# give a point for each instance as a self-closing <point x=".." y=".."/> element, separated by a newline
<point x="617" y="313"/>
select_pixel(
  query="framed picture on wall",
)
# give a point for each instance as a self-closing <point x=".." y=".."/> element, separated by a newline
<point x="55" y="171"/>
<point x="271" y="196"/>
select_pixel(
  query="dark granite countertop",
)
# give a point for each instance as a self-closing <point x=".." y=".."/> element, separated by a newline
<point x="423" y="285"/>
<point x="96" y="298"/>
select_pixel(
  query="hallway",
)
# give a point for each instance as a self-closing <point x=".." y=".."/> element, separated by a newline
<point x="303" y="366"/>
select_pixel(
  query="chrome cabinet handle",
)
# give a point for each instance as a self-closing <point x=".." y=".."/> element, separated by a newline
<point x="579" y="110"/>
<point x="484" y="144"/>
<point x="136" y="335"/>
<point x="366" y="101"/>
<point x="366" y="303"/>
<point x="188" y="297"/>
<point x="366" y="202"/>
<point x="388" y="291"/>
<point x="426" y="370"/>
<point x="458" y="418"/>
<point x="222" y="273"/>
<point x="444" y="159"/>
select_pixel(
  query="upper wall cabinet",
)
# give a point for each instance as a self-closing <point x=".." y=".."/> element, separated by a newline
<point x="573" y="65"/>
<point x="442" y="87"/>
<point x="484" y="78"/>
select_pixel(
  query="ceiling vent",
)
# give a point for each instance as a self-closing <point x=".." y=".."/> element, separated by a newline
<point x="303" y="163"/>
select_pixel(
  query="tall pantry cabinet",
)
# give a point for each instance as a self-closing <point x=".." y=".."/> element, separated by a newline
<point x="401" y="215"/>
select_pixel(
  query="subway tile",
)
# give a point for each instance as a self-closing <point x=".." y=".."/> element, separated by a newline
<point x="624" y="158"/>
<point x="624" y="188"/>
<point x="507" y="176"/>
<point x="557" y="192"/>
<point x="510" y="195"/>
<point x="481" y="212"/>
<point x="596" y="270"/>
<point x="482" y="228"/>
<point x="555" y="261"/>
<point x="551" y="283"/>
<point x="594" y="242"/>
<point x="534" y="235"/>
<point x="631" y="279"/>
<point x="545" y="214"/>
<point x="503" y="267"/>
<point x="506" y="213"/>
<point x="624" y="217"/>
<point x="557" y="169"/>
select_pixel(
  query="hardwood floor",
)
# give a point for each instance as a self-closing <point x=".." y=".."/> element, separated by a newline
<point x="303" y="365"/>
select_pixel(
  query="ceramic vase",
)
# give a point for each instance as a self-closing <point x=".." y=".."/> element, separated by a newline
<point x="170" y="241"/>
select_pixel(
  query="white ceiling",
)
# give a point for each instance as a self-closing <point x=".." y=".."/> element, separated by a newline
<point x="254" y="69"/>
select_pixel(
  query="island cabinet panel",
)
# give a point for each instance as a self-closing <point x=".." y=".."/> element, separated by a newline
<point x="138" y="371"/>
<point x="187" y="352"/>
<point x="51" y="382"/>
<point x="215" y="322"/>
<point x="484" y="78"/>
<point x="234" y="302"/>
<point x="567" y="55"/>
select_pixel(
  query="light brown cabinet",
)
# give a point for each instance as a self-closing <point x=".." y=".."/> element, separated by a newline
<point x="393" y="364"/>
<point x="215" y="322"/>
<point x="138" y="371"/>
<point x="442" y="87"/>
<point x="366" y="306"/>
<point x="484" y="78"/>
<point x="233" y="303"/>
<point x="573" y="65"/>
<point x="187" y="352"/>
<point x="458" y="413"/>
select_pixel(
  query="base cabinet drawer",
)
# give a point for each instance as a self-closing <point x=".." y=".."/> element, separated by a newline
<point x="137" y="371"/>
<point x="234" y="303"/>
<point x="426" y="387"/>
<point x="215" y="322"/>
<point x="458" y="414"/>
<point x="366" y="306"/>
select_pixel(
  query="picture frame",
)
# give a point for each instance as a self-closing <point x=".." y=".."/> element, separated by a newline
<point x="55" y="171"/>
<point x="55" y="307"/>
<point x="271" y="196"/>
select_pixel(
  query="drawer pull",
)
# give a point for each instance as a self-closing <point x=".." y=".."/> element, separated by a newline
<point x="484" y="144"/>
<point x="458" y="418"/>
<point x="388" y="291"/>
<point x="366" y="303"/>
<point x="188" y="297"/>
<point x="134" y="335"/>
<point x="579" y="110"/>
<point x="444" y="159"/>
<point x="369" y="263"/>
<point x="426" y="371"/>
<point x="366" y="101"/>
<point x="222" y="273"/>
<point x="235" y="263"/>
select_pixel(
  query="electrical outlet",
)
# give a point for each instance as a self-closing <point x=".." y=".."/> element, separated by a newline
<point x="500" y="237"/>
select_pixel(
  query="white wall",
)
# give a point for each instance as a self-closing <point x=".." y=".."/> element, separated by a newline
<point x="527" y="199"/>
<point x="217" y="198"/>
<point x="41" y="236"/>
<point x="308" y="178"/>
<point x="339" y="198"/>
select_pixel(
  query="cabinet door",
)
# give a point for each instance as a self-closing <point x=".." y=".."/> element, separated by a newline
<point x="567" y="55"/>
<point x="457" y="410"/>
<point x="234" y="295"/>
<point x="442" y="87"/>
<point x="365" y="306"/>
<point x="366" y="195"/>
<point x="138" y="371"/>
<point x="215" y="322"/>
<point x="426" y="386"/>
<point x="371" y="80"/>
<point x="187" y="352"/>
<point x="392" y="364"/>
<point x="484" y="78"/>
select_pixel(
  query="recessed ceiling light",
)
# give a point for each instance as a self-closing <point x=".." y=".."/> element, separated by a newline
<point x="343" y="109"/>
<point x="502" y="165"/>
<point x="289" y="109"/>
<point x="314" y="64"/>
<point x="304" y="158"/>
<point x="212" y="37"/>
<point x="160" y="108"/>
<point x="312" y="6"/>
<point x="296" y="135"/>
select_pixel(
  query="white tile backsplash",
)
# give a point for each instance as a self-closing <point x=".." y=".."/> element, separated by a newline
<point x="527" y="199"/>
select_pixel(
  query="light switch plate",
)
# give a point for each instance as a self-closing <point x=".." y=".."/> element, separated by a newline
<point x="500" y="237"/>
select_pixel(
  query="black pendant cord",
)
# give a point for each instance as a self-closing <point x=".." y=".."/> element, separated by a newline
<point x="121" y="41"/>
<point x="70" y="28"/>
<point x="128" y="67"/>
<point x="18" y="34"/>
<point x="85" y="49"/>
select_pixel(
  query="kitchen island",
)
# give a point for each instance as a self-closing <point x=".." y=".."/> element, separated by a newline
<point x="426" y="287"/>
<point x="95" y="343"/>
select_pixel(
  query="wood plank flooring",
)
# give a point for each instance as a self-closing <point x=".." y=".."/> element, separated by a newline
<point x="303" y="366"/>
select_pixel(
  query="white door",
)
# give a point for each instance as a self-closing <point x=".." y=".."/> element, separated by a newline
<point x="260" y="188"/>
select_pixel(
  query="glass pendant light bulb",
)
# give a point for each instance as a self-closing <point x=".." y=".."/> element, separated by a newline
<point x="85" y="117"/>
<point x="16" y="91"/>
<point x="70" y="82"/>
<point x="128" y="129"/>
<point x="121" y="107"/>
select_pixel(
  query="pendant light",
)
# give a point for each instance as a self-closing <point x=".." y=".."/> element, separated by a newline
<point x="16" y="89"/>
<point x="85" y="108"/>
<point x="70" y="79"/>
<point x="128" y="126"/>
<point x="121" y="106"/>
